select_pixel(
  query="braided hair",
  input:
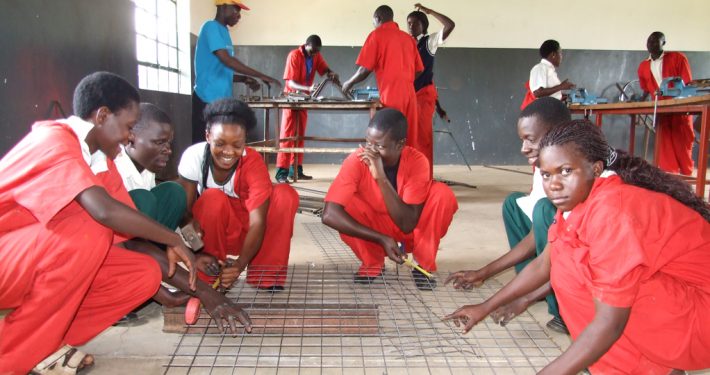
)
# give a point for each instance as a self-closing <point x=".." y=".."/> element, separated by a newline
<point x="227" y="111"/>
<point x="590" y="142"/>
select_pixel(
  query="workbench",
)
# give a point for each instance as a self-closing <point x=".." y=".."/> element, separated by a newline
<point x="272" y="145"/>
<point x="699" y="105"/>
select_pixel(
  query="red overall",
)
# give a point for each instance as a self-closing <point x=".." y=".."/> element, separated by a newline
<point x="60" y="271"/>
<point x="356" y="190"/>
<point x="426" y="105"/>
<point x="294" y="122"/>
<point x="392" y="54"/>
<point x="630" y="247"/>
<point x="225" y="221"/>
<point x="676" y="142"/>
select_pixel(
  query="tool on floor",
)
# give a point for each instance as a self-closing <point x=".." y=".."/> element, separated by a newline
<point x="583" y="97"/>
<point x="415" y="266"/>
<point x="675" y="87"/>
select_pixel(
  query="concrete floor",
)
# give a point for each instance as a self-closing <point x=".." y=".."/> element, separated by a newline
<point x="475" y="238"/>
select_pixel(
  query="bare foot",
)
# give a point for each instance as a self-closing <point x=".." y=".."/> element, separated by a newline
<point x="504" y="314"/>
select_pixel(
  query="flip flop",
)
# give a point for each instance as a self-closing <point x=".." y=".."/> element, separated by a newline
<point x="66" y="361"/>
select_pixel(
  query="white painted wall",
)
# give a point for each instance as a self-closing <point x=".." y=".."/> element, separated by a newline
<point x="591" y="24"/>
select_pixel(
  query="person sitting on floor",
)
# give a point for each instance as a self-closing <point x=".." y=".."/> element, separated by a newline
<point x="231" y="198"/>
<point x="383" y="195"/>
<point x="146" y="154"/>
<point x="628" y="257"/>
<point x="64" y="208"/>
<point x="527" y="217"/>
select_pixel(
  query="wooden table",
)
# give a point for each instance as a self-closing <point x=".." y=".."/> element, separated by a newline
<point x="272" y="145"/>
<point x="699" y="105"/>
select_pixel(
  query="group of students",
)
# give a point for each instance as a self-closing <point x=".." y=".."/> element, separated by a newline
<point x="675" y="148"/>
<point x="623" y="245"/>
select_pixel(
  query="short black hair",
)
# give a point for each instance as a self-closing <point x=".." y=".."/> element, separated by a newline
<point x="229" y="111"/>
<point x="658" y="34"/>
<point x="548" y="110"/>
<point x="549" y="46"/>
<point x="314" y="40"/>
<point x="384" y="13"/>
<point x="151" y="113"/>
<point x="421" y="16"/>
<point x="103" y="89"/>
<point x="392" y="121"/>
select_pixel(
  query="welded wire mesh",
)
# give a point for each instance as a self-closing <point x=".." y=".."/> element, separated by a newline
<point x="323" y="323"/>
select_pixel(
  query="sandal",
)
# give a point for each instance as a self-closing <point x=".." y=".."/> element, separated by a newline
<point x="66" y="361"/>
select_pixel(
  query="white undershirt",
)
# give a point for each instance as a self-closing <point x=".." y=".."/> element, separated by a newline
<point x="657" y="69"/>
<point x="97" y="160"/>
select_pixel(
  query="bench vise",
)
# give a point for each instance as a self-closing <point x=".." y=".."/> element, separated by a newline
<point x="581" y="96"/>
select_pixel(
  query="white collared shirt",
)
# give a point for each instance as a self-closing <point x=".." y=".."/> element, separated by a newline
<point x="657" y="68"/>
<point x="436" y="40"/>
<point x="132" y="178"/>
<point x="527" y="203"/>
<point x="190" y="168"/>
<point x="544" y="75"/>
<point x="97" y="160"/>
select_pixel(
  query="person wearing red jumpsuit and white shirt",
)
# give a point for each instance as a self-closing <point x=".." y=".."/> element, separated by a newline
<point x="381" y="196"/>
<point x="427" y="44"/>
<point x="392" y="54"/>
<point x="64" y="210"/>
<point x="302" y="64"/>
<point x="676" y="140"/>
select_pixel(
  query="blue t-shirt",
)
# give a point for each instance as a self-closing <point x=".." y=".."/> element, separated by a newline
<point x="213" y="80"/>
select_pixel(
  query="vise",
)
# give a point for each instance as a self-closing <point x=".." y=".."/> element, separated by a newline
<point x="675" y="87"/>
<point x="368" y="93"/>
<point x="581" y="96"/>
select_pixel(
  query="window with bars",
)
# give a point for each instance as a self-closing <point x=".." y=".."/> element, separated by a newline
<point x="162" y="45"/>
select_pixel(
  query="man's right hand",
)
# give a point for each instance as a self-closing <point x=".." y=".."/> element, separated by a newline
<point x="392" y="249"/>
<point x="224" y="312"/>
<point x="566" y="85"/>
<point x="179" y="253"/>
<point x="207" y="264"/>
<point x="466" y="279"/>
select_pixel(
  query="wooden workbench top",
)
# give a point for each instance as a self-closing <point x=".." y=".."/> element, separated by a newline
<point x="705" y="99"/>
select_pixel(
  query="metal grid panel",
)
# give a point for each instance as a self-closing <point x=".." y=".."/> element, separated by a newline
<point x="410" y="337"/>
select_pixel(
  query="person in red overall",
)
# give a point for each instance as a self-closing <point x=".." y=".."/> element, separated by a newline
<point x="302" y="64"/>
<point x="392" y="54"/>
<point x="231" y="200"/>
<point x="64" y="210"/>
<point x="676" y="141"/>
<point x="628" y="258"/>
<point x="381" y="197"/>
<point x="427" y="44"/>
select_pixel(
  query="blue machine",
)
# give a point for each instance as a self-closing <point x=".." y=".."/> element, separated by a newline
<point x="581" y="96"/>
<point x="675" y="87"/>
<point x="368" y="93"/>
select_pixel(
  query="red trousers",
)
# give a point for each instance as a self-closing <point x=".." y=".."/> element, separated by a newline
<point x="423" y="242"/>
<point x="676" y="144"/>
<point x="225" y="223"/>
<point x="294" y="122"/>
<point x="426" y="105"/>
<point x="66" y="284"/>
<point x="400" y="96"/>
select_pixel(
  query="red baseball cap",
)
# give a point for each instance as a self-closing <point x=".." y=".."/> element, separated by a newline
<point x="231" y="2"/>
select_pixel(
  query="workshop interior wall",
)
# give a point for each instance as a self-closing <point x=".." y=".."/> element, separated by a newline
<point x="600" y="24"/>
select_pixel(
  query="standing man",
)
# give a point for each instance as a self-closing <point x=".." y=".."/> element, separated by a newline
<point x="392" y="54"/>
<point x="427" y="44"/>
<point x="543" y="76"/>
<point x="215" y="64"/>
<point x="676" y="143"/>
<point x="301" y="66"/>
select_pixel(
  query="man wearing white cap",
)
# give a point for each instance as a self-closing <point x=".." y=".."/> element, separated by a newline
<point x="215" y="64"/>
